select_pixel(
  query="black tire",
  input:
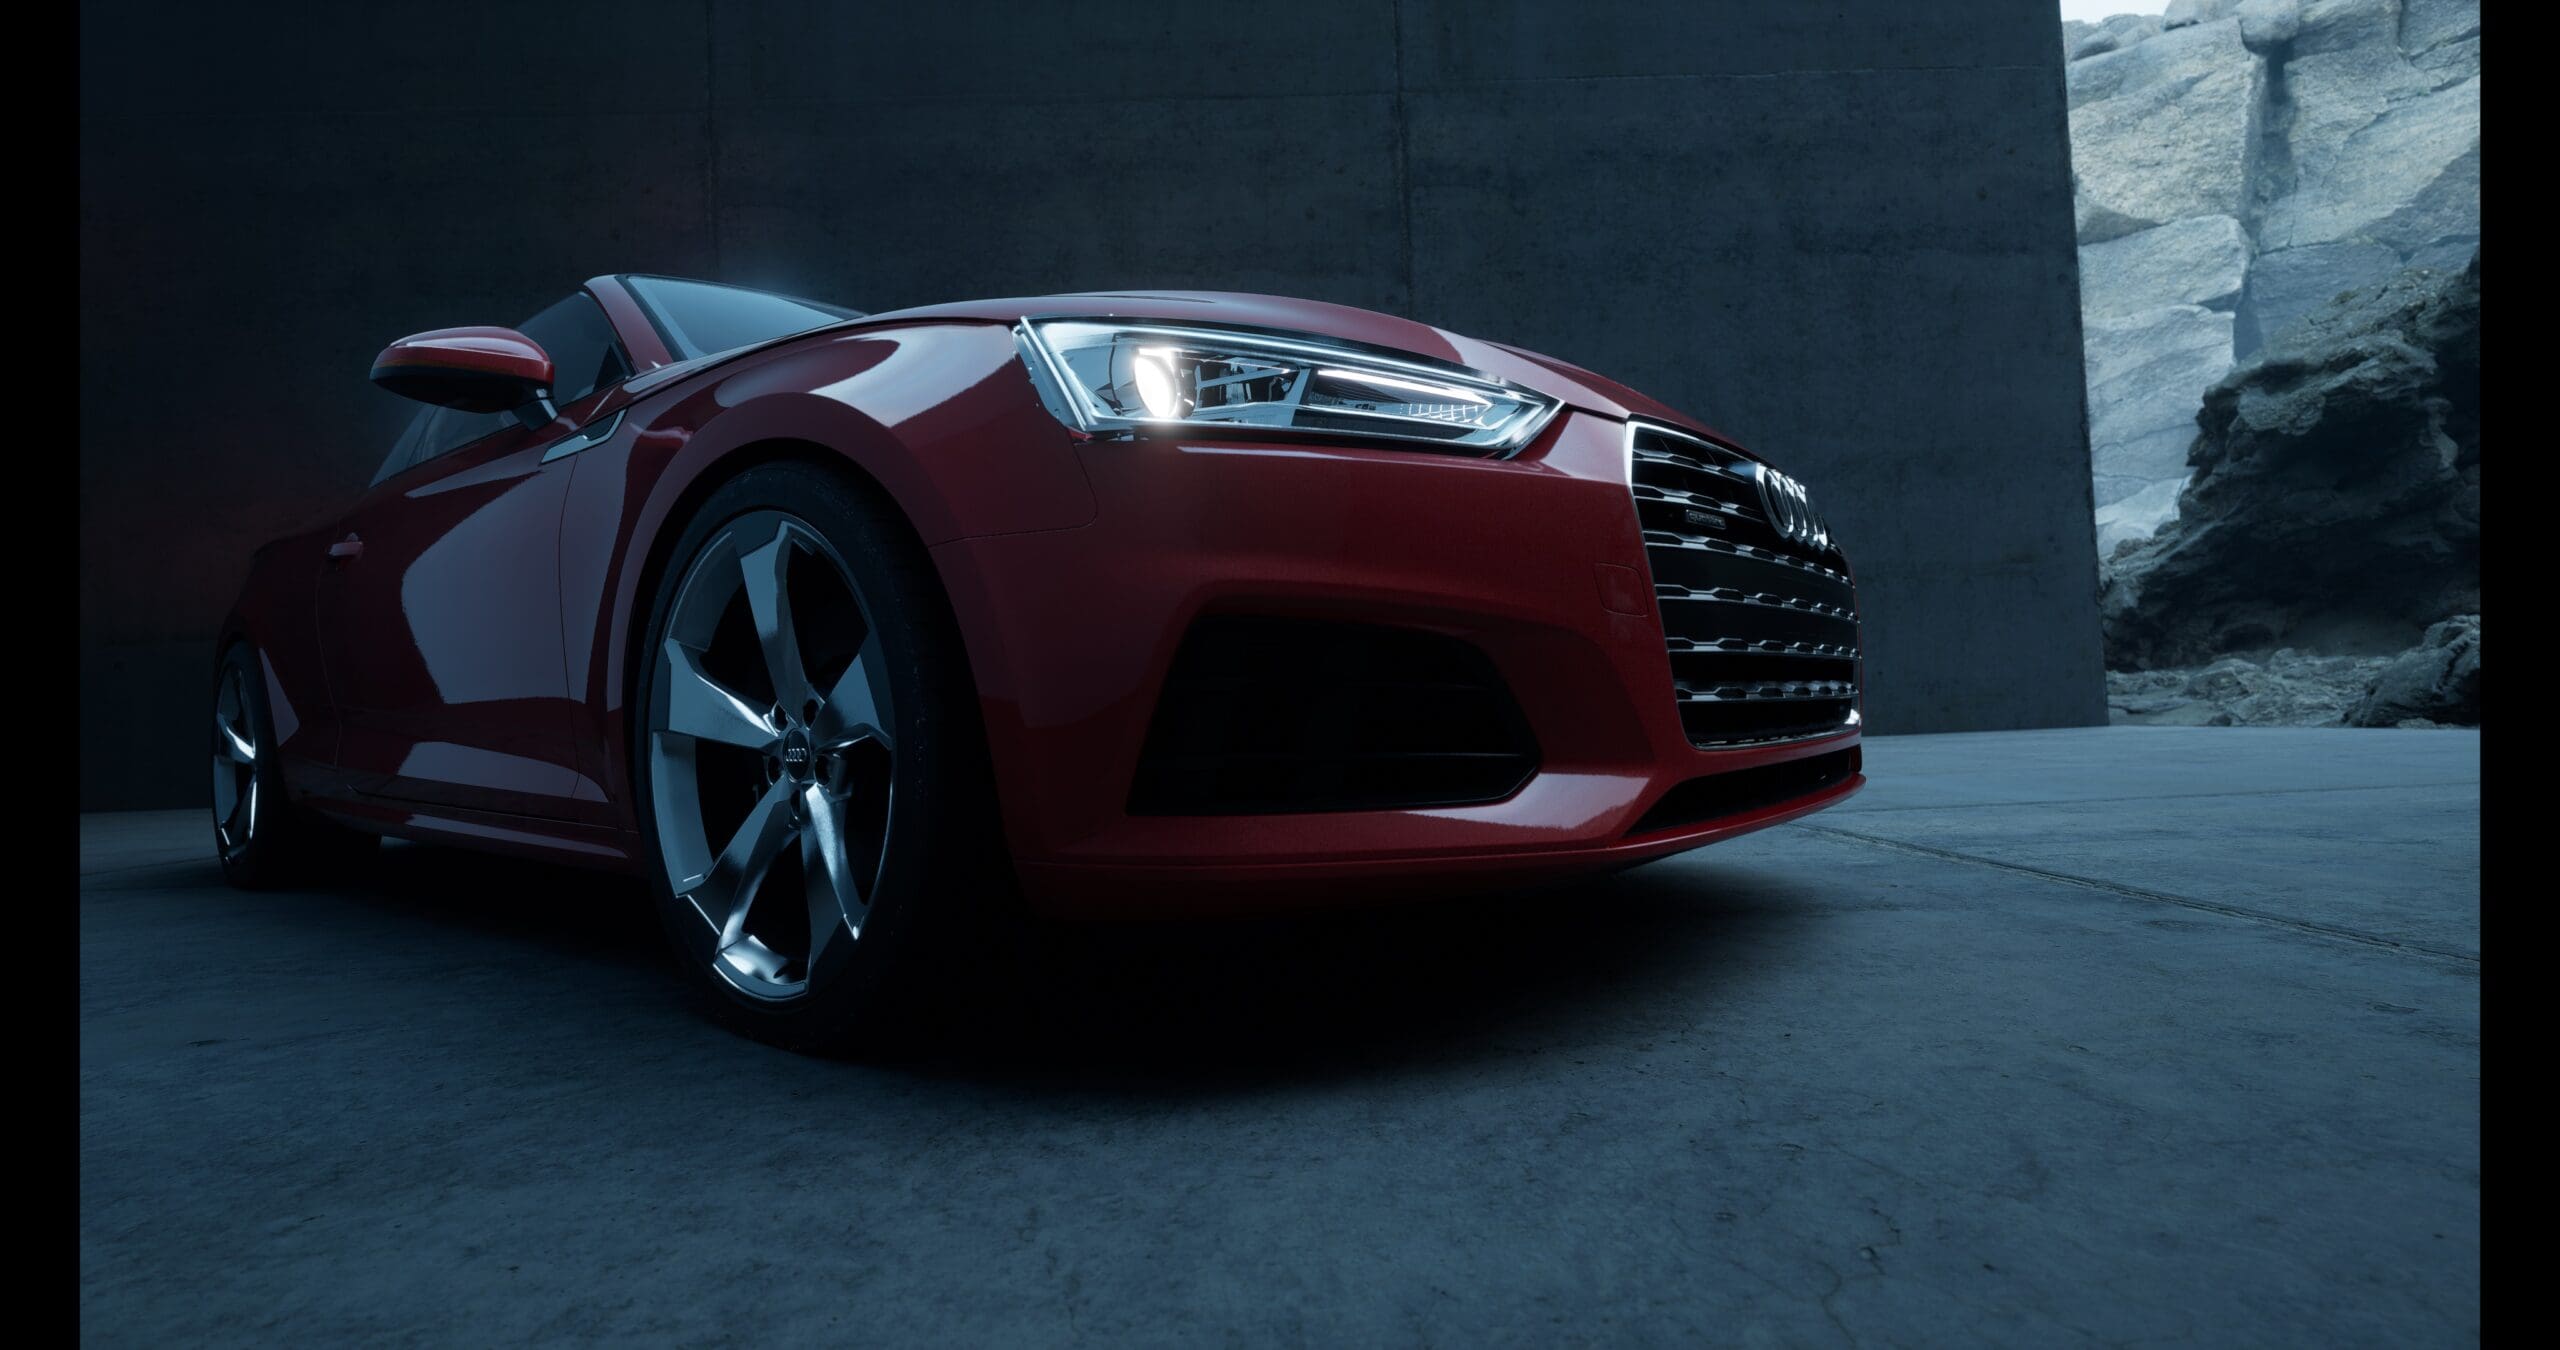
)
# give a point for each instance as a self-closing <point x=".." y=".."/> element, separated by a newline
<point x="939" y="875"/>
<point x="262" y="836"/>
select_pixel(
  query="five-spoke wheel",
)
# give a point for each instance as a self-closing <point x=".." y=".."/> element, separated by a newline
<point x="810" y="766"/>
<point x="770" y="754"/>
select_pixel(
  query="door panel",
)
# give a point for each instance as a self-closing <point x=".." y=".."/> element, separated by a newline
<point x="440" y="626"/>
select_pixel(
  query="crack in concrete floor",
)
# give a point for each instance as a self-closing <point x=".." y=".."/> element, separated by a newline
<point x="2145" y="893"/>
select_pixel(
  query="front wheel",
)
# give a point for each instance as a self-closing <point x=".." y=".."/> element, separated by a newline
<point x="809" y="769"/>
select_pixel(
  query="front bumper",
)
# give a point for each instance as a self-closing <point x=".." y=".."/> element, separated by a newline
<point x="1537" y="560"/>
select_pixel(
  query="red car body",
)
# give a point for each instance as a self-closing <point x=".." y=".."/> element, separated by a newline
<point x="454" y="658"/>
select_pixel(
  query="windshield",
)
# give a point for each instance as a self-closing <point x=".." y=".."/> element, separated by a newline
<point x="700" y="318"/>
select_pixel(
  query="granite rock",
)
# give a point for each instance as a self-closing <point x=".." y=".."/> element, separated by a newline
<point x="2147" y="373"/>
<point x="2334" y="501"/>
<point x="2161" y="130"/>
<point x="2284" y="688"/>
<point x="2254" y="159"/>
<point x="2202" y="260"/>
<point x="2436" y="683"/>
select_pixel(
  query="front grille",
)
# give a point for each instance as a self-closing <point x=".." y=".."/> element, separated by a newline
<point x="1269" y="715"/>
<point x="1761" y="630"/>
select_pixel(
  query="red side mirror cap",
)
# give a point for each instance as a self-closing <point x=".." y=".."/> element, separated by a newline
<point x="473" y="369"/>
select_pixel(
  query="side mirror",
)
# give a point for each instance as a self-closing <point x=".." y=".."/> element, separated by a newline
<point x="480" y="370"/>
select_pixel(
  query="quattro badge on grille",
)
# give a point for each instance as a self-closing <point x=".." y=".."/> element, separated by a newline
<point x="1705" y="520"/>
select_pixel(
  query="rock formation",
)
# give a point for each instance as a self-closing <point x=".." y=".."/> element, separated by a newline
<point x="2287" y="688"/>
<point x="2236" y="163"/>
<point x="2334" y="502"/>
<point x="2433" y="684"/>
<point x="2437" y="681"/>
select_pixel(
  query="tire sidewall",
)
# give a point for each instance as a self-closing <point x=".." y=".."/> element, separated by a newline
<point x="236" y="662"/>
<point x="250" y="863"/>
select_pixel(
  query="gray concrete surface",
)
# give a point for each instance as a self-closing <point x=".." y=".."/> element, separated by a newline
<point x="1842" y="232"/>
<point x="2049" y="1038"/>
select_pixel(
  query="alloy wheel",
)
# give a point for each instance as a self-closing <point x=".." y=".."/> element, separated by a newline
<point x="235" y="763"/>
<point x="769" y="755"/>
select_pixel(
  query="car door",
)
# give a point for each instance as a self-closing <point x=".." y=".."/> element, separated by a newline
<point x="439" y="606"/>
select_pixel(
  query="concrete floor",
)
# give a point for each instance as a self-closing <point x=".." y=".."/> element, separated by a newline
<point x="2048" y="1038"/>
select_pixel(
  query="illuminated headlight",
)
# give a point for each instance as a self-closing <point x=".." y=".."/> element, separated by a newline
<point x="1137" y="377"/>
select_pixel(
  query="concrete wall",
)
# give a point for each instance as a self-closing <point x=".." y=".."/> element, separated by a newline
<point x="1841" y="232"/>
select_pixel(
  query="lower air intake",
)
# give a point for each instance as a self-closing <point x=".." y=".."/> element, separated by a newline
<point x="1731" y="794"/>
<point x="1267" y="716"/>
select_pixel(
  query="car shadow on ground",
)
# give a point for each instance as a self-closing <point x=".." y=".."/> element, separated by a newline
<point x="1399" y="988"/>
<point x="1199" y="1006"/>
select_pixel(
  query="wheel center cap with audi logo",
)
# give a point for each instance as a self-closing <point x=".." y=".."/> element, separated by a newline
<point x="798" y="758"/>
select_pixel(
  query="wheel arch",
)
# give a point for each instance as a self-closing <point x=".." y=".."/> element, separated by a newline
<point x="660" y="560"/>
<point x="681" y="510"/>
<point x="985" y="458"/>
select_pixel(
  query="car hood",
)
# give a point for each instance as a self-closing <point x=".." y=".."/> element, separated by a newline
<point x="1528" y="369"/>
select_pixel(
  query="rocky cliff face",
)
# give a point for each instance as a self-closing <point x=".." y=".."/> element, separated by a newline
<point x="2236" y="164"/>
<point x="2335" y="498"/>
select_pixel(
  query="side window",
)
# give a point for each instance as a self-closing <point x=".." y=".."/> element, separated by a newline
<point x="452" y="428"/>
<point x="584" y="355"/>
<point x="404" y="451"/>
<point x="699" y="318"/>
<point x="435" y="431"/>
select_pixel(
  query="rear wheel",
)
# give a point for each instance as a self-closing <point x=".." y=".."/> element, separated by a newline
<point x="262" y="837"/>
<point x="809" y="770"/>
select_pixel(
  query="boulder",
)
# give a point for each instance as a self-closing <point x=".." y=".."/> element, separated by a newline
<point x="2406" y="175"/>
<point x="2073" y="30"/>
<point x="2202" y="260"/>
<point x="2288" y="283"/>
<point x="2147" y="373"/>
<point x="2268" y="25"/>
<point x="2436" y="682"/>
<point x="2161" y="130"/>
<point x="2113" y="33"/>
<point x="2335" y="501"/>
<point x="2188" y="13"/>
<point x="2331" y="95"/>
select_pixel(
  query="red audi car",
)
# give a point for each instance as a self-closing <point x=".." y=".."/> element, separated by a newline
<point x="832" y="626"/>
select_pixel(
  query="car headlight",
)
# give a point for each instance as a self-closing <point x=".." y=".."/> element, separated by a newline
<point x="1134" y="378"/>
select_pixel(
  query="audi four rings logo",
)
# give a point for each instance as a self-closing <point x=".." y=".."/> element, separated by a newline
<point x="1789" y="506"/>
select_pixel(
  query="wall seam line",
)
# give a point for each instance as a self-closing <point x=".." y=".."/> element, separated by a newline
<point x="711" y="134"/>
<point x="1404" y="166"/>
